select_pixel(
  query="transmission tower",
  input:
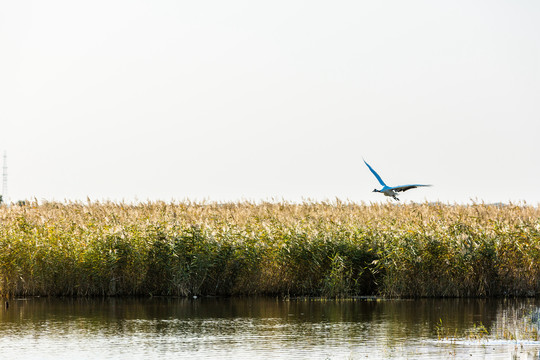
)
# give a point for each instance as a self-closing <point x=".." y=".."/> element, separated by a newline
<point x="4" y="180"/>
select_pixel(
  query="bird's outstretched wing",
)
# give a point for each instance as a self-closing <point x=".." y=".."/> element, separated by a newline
<point x="406" y="187"/>
<point x="375" y="173"/>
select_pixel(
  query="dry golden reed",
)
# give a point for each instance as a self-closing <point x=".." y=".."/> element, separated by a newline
<point x="332" y="249"/>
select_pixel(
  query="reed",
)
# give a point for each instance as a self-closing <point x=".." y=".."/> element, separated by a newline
<point x="332" y="249"/>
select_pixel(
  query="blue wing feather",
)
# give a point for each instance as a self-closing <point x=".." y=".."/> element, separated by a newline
<point x="375" y="173"/>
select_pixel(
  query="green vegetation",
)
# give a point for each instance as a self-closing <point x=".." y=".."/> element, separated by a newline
<point x="315" y="249"/>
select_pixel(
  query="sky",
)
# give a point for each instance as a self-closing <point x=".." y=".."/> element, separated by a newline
<point x="139" y="100"/>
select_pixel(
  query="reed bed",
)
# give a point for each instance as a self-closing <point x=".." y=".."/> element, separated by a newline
<point x="333" y="249"/>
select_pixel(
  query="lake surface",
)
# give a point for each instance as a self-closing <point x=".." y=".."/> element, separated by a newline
<point x="254" y="328"/>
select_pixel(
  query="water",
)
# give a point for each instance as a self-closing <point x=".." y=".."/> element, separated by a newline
<point x="254" y="328"/>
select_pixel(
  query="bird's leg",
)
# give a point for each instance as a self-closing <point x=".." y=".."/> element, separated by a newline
<point x="395" y="197"/>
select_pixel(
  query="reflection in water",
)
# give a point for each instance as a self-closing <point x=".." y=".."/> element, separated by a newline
<point x="258" y="327"/>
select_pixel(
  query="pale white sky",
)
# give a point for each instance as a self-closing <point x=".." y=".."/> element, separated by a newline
<point x="228" y="100"/>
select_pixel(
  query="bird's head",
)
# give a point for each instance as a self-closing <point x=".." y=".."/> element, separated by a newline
<point x="375" y="190"/>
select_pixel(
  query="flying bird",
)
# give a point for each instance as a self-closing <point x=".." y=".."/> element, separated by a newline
<point x="391" y="190"/>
